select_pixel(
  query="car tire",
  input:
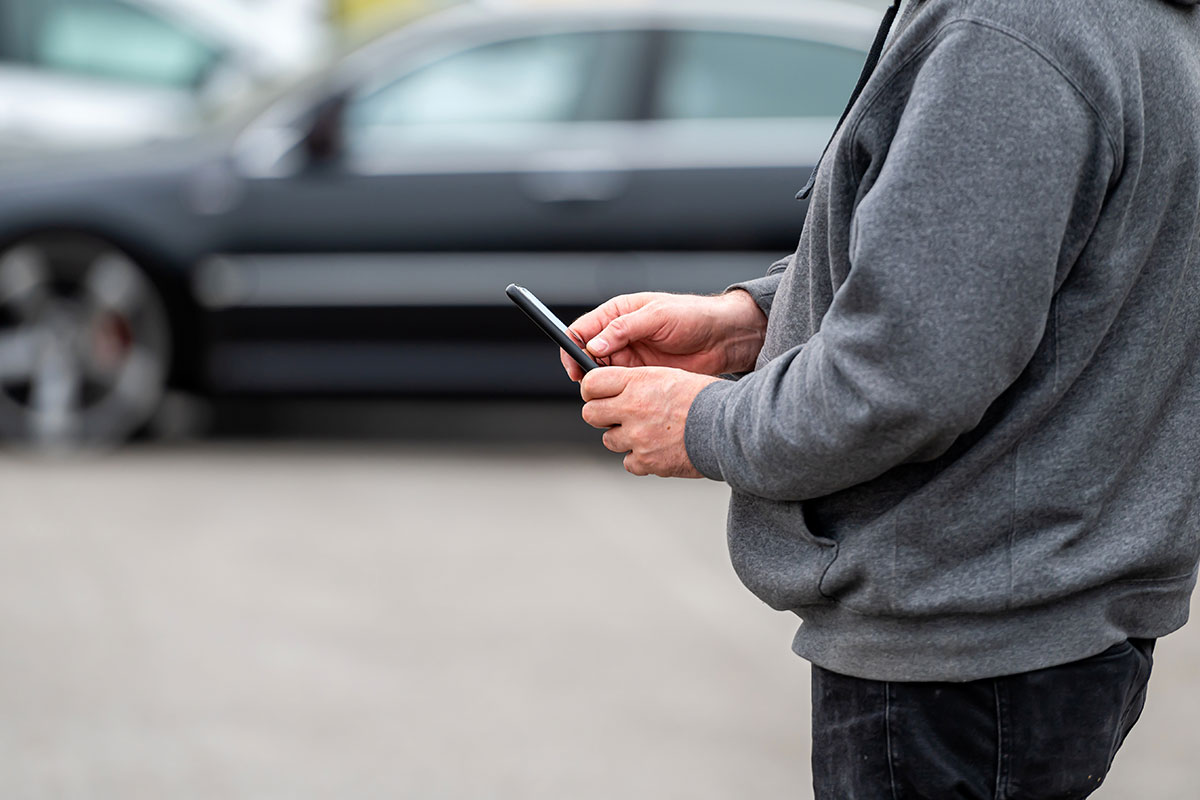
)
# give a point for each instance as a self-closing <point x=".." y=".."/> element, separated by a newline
<point x="85" y="343"/>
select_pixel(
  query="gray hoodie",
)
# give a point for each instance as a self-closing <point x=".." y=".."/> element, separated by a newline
<point x="971" y="446"/>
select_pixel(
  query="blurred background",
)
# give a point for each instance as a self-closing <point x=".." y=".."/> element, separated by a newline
<point x="296" y="504"/>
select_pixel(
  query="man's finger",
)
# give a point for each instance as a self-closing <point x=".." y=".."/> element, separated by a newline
<point x="635" y="466"/>
<point x="626" y="329"/>
<point x="596" y="320"/>
<point x="601" y="414"/>
<point x="574" y="371"/>
<point x="604" y="382"/>
<point x="617" y="440"/>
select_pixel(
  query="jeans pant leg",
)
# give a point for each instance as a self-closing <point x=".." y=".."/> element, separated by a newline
<point x="1034" y="736"/>
<point x="1063" y="726"/>
<point x="874" y="740"/>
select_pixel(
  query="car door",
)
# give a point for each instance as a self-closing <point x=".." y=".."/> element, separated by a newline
<point x="383" y="264"/>
<point x="737" y="119"/>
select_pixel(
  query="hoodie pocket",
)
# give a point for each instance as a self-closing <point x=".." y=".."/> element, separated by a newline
<point x="942" y="549"/>
<point x="775" y="554"/>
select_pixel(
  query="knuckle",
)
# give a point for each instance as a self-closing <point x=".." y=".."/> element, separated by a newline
<point x="607" y="311"/>
<point x="648" y="319"/>
<point x="633" y="300"/>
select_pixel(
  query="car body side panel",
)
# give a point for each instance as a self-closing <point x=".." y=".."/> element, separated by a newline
<point x="382" y="270"/>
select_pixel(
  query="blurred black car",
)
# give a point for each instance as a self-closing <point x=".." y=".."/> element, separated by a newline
<point x="356" y="236"/>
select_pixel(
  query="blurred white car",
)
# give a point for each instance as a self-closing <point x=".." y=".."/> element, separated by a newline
<point x="102" y="72"/>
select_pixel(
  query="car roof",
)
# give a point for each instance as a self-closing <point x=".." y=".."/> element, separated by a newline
<point x="834" y="20"/>
<point x="830" y="11"/>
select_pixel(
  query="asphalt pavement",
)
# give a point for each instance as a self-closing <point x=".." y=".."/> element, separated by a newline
<point x="412" y="619"/>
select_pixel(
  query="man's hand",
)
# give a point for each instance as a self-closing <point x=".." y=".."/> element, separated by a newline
<point x="645" y="410"/>
<point x="705" y="335"/>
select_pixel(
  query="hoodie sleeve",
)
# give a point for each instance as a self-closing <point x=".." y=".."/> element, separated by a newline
<point x="763" y="289"/>
<point x="957" y="249"/>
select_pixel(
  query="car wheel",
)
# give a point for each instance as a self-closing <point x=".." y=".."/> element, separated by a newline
<point x="84" y="343"/>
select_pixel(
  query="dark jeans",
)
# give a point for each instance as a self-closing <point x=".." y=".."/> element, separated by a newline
<point x="1045" y="734"/>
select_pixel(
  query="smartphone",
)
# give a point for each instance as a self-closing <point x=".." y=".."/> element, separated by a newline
<point x="552" y="326"/>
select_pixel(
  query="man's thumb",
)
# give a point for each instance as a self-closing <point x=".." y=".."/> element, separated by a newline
<point x="621" y="332"/>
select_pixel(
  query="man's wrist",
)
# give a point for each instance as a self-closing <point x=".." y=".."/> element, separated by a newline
<point x="745" y="330"/>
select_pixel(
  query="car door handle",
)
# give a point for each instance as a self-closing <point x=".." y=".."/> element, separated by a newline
<point x="574" y="177"/>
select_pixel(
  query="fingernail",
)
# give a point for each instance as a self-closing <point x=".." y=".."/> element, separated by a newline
<point x="598" y="346"/>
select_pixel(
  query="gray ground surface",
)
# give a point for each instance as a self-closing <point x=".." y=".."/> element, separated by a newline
<point x="278" y="621"/>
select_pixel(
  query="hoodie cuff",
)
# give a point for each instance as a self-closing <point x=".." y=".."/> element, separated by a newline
<point x="762" y="290"/>
<point x="699" y="431"/>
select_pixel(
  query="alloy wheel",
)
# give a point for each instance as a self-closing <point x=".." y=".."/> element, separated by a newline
<point x="84" y="343"/>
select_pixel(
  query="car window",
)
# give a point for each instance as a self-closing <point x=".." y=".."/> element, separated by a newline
<point x="112" y="39"/>
<point x="716" y="75"/>
<point x="501" y="87"/>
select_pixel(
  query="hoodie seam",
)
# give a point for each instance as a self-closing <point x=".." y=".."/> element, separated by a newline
<point x="1016" y="36"/>
<point x="892" y="613"/>
<point x="1066" y="76"/>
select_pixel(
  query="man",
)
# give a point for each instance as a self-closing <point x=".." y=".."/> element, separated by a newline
<point x="967" y="449"/>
